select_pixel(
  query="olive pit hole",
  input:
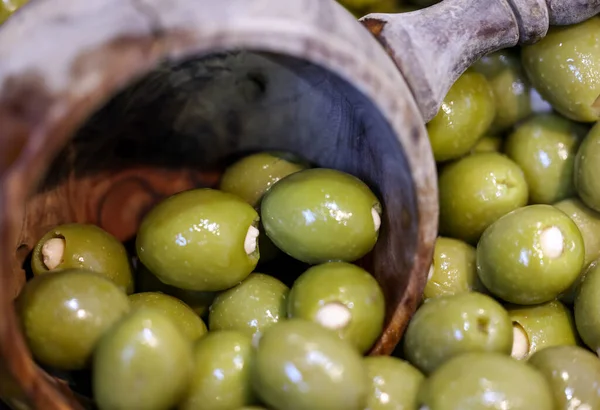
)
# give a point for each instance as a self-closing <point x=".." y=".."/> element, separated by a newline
<point x="483" y="325"/>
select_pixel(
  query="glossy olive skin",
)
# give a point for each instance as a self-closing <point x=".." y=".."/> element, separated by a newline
<point x="299" y="363"/>
<point x="449" y="326"/>
<point x="515" y="260"/>
<point x="221" y="378"/>
<point x="510" y="85"/>
<point x="394" y="384"/>
<point x="343" y="285"/>
<point x="565" y="68"/>
<point x="573" y="374"/>
<point x="588" y="222"/>
<point x="587" y="304"/>
<point x="479" y="381"/>
<point x="251" y="307"/>
<point x="488" y="143"/>
<point x="157" y="369"/>
<point x="477" y="190"/>
<point x="587" y="182"/>
<point x="63" y="315"/>
<point x="252" y="176"/>
<point x="88" y="247"/>
<point x="546" y="325"/>
<point x="454" y="269"/>
<point x="465" y="115"/>
<point x="188" y="322"/>
<point x="147" y="282"/>
<point x="545" y="147"/>
<point x="319" y="215"/>
<point x="8" y="7"/>
<point x="569" y="295"/>
<point x="194" y="240"/>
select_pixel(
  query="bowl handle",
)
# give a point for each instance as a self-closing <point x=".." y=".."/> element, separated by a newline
<point x="432" y="47"/>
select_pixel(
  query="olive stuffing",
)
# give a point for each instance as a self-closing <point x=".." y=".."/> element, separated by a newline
<point x="258" y="292"/>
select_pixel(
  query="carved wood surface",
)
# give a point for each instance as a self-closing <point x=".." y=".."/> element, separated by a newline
<point x="432" y="47"/>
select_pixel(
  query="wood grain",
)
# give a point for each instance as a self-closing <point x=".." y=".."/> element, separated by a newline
<point x="432" y="47"/>
<point x="107" y="106"/>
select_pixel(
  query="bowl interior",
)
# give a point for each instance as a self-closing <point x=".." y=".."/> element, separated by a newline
<point x="180" y="125"/>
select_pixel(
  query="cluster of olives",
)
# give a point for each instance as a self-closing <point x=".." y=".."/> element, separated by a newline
<point x="140" y="323"/>
<point x="509" y="318"/>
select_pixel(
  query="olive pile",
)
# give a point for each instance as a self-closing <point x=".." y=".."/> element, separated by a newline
<point x="509" y="317"/>
<point x="143" y="330"/>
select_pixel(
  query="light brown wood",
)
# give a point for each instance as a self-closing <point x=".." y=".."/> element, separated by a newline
<point x="432" y="47"/>
<point x="318" y="85"/>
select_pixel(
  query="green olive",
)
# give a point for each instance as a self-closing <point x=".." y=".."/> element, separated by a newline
<point x="147" y="282"/>
<point x="252" y="176"/>
<point x="300" y="365"/>
<point x="394" y="384"/>
<point x="587" y="304"/>
<point x="588" y="222"/>
<point x="465" y="115"/>
<point x="449" y="326"/>
<point x="574" y="375"/>
<point x="477" y="190"/>
<point x="200" y="239"/>
<point x="64" y="314"/>
<point x="221" y="378"/>
<point x="454" y="269"/>
<point x="570" y="294"/>
<point x="142" y="362"/>
<point x="587" y="182"/>
<point x="83" y="246"/>
<point x="188" y="322"/>
<point x="530" y="255"/>
<point x="510" y="84"/>
<point x="541" y="326"/>
<point x="545" y="147"/>
<point x="342" y="297"/>
<point x="363" y="7"/>
<point x="480" y="381"/>
<point x="319" y="215"/>
<point x="488" y="143"/>
<point x="251" y="307"/>
<point x="8" y="7"/>
<point x="565" y="68"/>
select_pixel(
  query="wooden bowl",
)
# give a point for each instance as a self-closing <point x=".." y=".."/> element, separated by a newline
<point x="106" y="107"/>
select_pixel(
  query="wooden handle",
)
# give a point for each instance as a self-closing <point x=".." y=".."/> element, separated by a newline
<point x="432" y="47"/>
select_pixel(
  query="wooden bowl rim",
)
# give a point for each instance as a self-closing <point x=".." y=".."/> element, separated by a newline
<point x="44" y="113"/>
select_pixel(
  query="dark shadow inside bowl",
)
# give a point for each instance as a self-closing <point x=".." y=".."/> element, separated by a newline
<point x="179" y="126"/>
